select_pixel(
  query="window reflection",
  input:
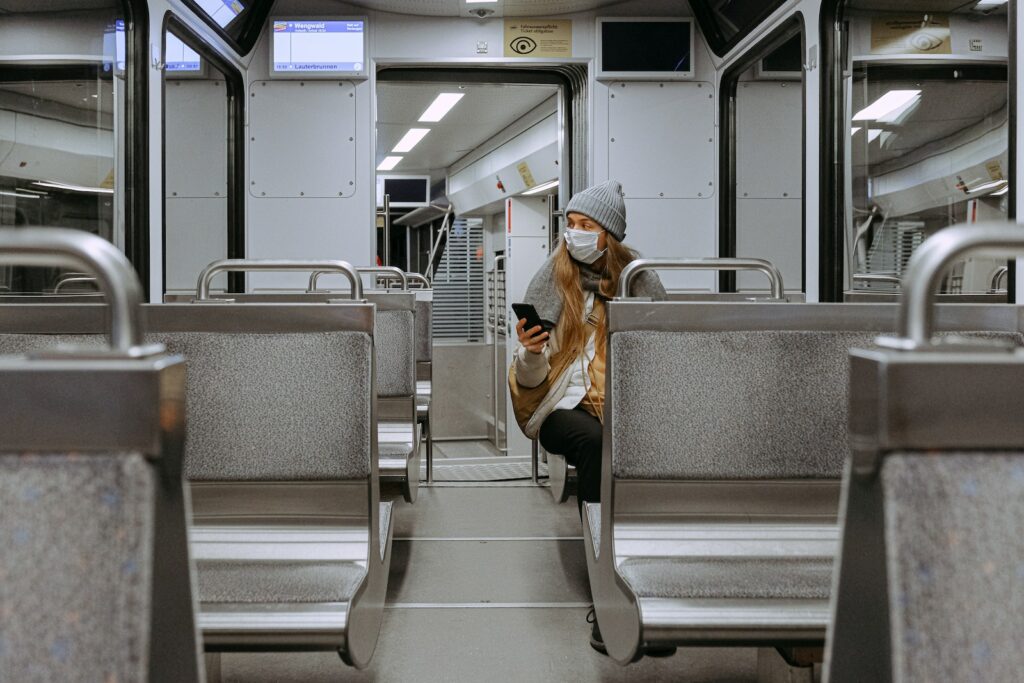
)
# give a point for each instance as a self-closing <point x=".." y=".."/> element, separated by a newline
<point x="929" y="149"/>
<point x="61" y="123"/>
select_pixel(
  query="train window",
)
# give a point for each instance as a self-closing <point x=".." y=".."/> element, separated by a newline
<point x="927" y="126"/>
<point x="762" y="160"/>
<point x="203" y="207"/>
<point x="725" y="23"/>
<point x="237" y="21"/>
<point x="62" y="126"/>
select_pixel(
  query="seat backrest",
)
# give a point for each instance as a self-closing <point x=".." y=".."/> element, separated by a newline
<point x="424" y="328"/>
<point x="732" y="391"/>
<point x="95" y="582"/>
<point x="276" y="392"/>
<point x="395" y="336"/>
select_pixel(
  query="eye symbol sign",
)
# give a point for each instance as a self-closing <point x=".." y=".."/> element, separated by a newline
<point x="925" y="41"/>
<point x="523" y="45"/>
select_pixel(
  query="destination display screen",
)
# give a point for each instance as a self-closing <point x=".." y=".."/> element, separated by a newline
<point x="324" y="47"/>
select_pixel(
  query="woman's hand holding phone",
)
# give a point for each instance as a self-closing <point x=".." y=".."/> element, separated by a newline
<point x="533" y="339"/>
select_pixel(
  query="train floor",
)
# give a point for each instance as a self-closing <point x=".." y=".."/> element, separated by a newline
<point x="488" y="583"/>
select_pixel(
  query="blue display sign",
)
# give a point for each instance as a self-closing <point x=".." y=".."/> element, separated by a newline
<point x="311" y="46"/>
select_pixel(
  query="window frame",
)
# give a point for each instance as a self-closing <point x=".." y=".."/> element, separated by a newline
<point x="728" y="86"/>
<point x="244" y="40"/>
<point x="711" y="29"/>
<point x="234" y="84"/>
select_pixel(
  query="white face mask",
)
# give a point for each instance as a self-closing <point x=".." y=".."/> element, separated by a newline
<point x="582" y="245"/>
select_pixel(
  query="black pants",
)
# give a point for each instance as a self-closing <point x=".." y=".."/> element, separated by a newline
<point x="576" y="435"/>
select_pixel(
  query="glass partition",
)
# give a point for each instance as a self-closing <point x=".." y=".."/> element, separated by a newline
<point x="62" y="124"/>
<point x="922" y="130"/>
<point x="763" y="129"/>
<point x="202" y="219"/>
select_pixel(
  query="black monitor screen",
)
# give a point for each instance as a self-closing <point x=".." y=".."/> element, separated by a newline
<point x="635" y="46"/>
<point x="406" y="190"/>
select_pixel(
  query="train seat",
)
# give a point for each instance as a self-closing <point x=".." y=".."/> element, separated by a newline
<point x="95" y="579"/>
<point x="398" y="427"/>
<point x="725" y="438"/>
<point x="281" y="460"/>
<point x="932" y="555"/>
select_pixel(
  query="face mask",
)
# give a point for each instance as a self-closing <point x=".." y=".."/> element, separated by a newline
<point x="582" y="245"/>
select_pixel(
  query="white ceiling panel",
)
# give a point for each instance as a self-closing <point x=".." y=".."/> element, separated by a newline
<point x="482" y="113"/>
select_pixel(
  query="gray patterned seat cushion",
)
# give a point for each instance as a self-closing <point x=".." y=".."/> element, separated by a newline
<point x="954" y="530"/>
<point x="755" y="578"/>
<point x="76" y="543"/>
<point x="393" y="333"/>
<point x="278" y="582"/>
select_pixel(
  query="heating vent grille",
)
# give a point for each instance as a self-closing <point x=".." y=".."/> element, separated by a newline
<point x="459" y="284"/>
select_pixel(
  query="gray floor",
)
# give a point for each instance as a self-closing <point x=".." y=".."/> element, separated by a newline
<point x="488" y="583"/>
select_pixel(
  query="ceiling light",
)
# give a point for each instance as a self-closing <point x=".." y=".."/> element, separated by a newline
<point x="389" y="163"/>
<point x="74" y="188"/>
<point x="873" y="133"/>
<point x="854" y="130"/>
<point x="982" y="6"/>
<point x="891" y="104"/>
<point x="410" y="139"/>
<point x="543" y="186"/>
<point x="1000" y="193"/>
<point x="441" y="105"/>
<point x="484" y="2"/>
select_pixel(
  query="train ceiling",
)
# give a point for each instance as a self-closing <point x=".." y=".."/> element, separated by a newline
<point x="482" y="113"/>
<point x="506" y="8"/>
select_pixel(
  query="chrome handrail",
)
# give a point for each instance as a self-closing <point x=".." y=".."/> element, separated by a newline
<point x="115" y="277"/>
<point x="927" y="266"/>
<point x="78" y="279"/>
<point x="275" y="265"/>
<point x="411" y="277"/>
<point x="877" y="277"/>
<point x="1002" y="273"/>
<point x="639" y="265"/>
<point x="314" y="277"/>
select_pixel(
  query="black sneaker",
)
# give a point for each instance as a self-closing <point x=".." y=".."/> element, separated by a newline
<point x="596" y="641"/>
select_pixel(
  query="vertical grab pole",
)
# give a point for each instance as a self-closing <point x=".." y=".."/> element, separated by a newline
<point x="387" y="229"/>
<point x="553" y="216"/>
<point x="494" y="311"/>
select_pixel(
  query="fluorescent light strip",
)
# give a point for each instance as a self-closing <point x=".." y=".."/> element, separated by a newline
<point x="983" y="4"/>
<point x="20" y="196"/>
<point x="74" y="188"/>
<point x="540" y="188"/>
<point x="1001" y="192"/>
<point x="441" y="105"/>
<point x="873" y="133"/>
<point x="892" y="102"/>
<point x="410" y="140"/>
<point x="481" y="2"/>
<point x="389" y="163"/>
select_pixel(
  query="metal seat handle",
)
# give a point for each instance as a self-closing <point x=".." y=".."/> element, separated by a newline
<point x="276" y="266"/>
<point x="930" y="262"/>
<point x="314" y="277"/>
<point x="416" y="278"/>
<point x="633" y="269"/>
<point x="82" y="251"/>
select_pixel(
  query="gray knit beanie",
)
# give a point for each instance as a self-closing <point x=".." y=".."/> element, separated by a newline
<point x="604" y="204"/>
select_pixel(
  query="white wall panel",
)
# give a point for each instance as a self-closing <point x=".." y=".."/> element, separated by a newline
<point x="197" y="145"/>
<point x="302" y="139"/>
<point x="770" y="229"/>
<point x="769" y="145"/>
<point x="664" y="228"/>
<point x="196" y="235"/>
<point x="661" y="139"/>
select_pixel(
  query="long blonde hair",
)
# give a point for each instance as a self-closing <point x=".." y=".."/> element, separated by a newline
<point x="572" y="327"/>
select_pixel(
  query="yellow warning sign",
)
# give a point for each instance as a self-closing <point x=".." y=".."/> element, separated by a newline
<point x="538" y="37"/>
<point x="526" y="174"/>
<point x="995" y="170"/>
<point x="108" y="182"/>
<point x="912" y="34"/>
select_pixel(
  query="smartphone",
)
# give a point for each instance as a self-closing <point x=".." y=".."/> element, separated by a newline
<point x="532" y="318"/>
